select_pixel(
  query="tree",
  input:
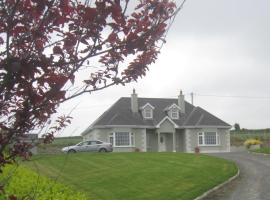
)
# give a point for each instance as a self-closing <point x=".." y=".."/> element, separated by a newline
<point x="43" y="45"/>
<point x="237" y="127"/>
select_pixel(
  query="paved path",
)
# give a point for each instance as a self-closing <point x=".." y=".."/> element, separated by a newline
<point x="253" y="182"/>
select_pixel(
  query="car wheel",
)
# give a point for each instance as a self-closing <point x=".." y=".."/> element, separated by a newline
<point x="71" y="151"/>
<point x="102" y="150"/>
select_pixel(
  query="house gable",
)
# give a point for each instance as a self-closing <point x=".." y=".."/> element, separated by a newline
<point x="167" y="125"/>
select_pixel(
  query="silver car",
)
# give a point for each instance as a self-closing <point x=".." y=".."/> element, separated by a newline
<point x="91" y="145"/>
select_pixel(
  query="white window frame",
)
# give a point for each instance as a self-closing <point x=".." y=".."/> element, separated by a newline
<point x="131" y="139"/>
<point x="148" y="110"/>
<point x="174" y="110"/>
<point x="202" y="135"/>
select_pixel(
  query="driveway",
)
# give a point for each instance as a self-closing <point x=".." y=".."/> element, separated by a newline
<point x="253" y="182"/>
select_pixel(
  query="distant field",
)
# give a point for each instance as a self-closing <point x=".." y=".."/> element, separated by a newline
<point x="58" y="144"/>
<point x="132" y="176"/>
<point x="238" y="138"/>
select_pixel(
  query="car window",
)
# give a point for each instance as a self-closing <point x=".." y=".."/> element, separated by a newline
<point x="93" y="142"/>
<point x="82" y="144"/>
<point x="99" y="142"/>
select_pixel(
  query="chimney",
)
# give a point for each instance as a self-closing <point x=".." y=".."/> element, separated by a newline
<point x="181" y="102"/>
<point x="134" y="102"/>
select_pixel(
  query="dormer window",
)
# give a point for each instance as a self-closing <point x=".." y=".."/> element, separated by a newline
<point x="174" y="113"/>
<point x="147" y="111"/>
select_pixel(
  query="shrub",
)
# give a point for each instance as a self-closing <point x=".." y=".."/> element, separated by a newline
<point x="250" y="142"/>
<point x="26" y="184"/>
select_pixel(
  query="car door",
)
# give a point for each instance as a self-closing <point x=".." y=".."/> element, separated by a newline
<point x="92" y="146"/>
<point x="82" y="147"/>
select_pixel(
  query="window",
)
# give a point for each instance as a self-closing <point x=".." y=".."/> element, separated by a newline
<point x="174" y="113"/>
<point x="122" y="139"/>
<point x="148" y="113"/>
<point x="83" y="143"/>
<point x="111" y="139"/>
<point x="208" y="139"/>
<point x="200" y="139"/>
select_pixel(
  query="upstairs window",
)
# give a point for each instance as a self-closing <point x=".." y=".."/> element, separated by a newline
<point x="174" y="113"/>
<point x="148" y="113"/>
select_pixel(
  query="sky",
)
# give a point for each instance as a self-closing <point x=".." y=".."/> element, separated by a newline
<point x="217" y="49"/>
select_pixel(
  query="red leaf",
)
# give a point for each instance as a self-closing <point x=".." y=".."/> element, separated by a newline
<point x="39" y="44"/>
<point x="57" y="50"/>
<point x="112" y="37"/>
<point x="19" y="29"/>
<point x="89" y="14"/>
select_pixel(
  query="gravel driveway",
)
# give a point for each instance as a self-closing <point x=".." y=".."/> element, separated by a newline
<point x="253" y="182"/>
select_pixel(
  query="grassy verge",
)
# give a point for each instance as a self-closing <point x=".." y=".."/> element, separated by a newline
<point x="26" y="184"/>
<point x="128" y="176"/>
<point x="265" y="150"/>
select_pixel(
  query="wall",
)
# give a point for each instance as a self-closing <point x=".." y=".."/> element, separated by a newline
<point x="152" y="140"/>
<point x="104" y="133"/>
<point x="169" y="141"/>
<point x="191" y="136"/>
<point x="179" y="143"/>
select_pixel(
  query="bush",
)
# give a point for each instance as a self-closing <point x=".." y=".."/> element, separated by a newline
<point x="250" y="142"/>
<point x="26" y="184"/>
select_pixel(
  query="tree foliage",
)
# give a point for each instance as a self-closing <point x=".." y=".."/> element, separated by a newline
<point x="237" y="127"/>
<point x="43" y="45"/>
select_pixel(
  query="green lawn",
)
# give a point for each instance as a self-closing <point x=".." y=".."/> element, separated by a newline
<point x="265" y="150"/>
<point x="126" y="176"/>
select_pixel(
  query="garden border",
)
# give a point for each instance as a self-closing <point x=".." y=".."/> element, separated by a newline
<point x="218" y="186"/>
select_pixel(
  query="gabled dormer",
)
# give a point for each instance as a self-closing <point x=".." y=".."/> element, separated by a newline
<point x="147" y="111"/>
<point x="173" y="111"/>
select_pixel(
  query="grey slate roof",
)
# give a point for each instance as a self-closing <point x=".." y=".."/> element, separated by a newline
<point x="120" y="114"/>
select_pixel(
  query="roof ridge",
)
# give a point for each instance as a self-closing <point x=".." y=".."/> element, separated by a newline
<point x="200" y="119"/>
<point x="114" y="116"/>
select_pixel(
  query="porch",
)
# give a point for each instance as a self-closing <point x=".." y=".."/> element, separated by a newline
<point x="157" y="141"/>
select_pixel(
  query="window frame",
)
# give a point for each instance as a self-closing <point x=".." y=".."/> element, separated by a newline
<point x="131" y="139"/>
<point x="203" y="138"/>
<point x="148" y="110"/>
<point x="176" y="111"/>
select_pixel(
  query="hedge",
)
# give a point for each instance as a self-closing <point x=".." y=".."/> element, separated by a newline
<point x="26" y="184"/>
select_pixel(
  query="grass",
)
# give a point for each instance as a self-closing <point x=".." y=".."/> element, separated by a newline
<point x="130" y="176"/>
<point x="265" y="150"/>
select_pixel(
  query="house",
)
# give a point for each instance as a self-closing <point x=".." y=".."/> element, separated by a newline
<point x="159" y="124"/>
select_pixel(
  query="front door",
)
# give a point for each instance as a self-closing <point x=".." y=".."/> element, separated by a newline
<point x="162" y="142"/>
